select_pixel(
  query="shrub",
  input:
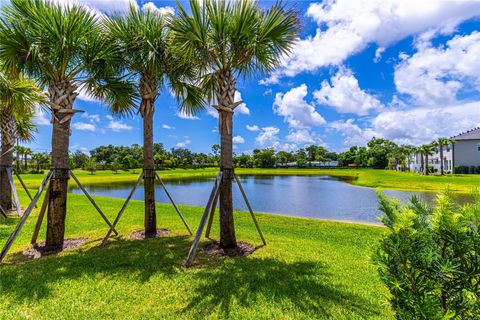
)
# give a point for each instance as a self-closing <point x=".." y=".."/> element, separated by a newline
<point x="461" y="170"/>
<point x="429" y="259"/>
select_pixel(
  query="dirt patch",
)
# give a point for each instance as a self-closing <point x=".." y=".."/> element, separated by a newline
<point x="242" y="249"/>
<point x="38" y="250"/>
<point x="140" y="234"/>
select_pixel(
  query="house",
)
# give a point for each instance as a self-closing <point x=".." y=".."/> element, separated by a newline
<point x="464" y="152"/>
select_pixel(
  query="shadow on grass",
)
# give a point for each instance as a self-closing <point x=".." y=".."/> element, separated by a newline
<point x="216" y="285"/>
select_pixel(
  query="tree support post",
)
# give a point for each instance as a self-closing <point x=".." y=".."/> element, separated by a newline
<point x="23" y="184"/>
<point x="198" y="235"/>
<point x="24" y="218"/>
<point x="14" y="191"/>
<point x="4" y="214"/>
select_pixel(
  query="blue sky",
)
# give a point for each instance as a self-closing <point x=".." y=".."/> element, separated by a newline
<point x="404" y="70"/>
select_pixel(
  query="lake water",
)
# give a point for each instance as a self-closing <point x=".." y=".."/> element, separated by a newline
<point x="321" y="197"/>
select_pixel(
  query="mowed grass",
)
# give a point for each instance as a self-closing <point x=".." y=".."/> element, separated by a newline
<point x="310" y="269"/>
<point x="386" y="179"/>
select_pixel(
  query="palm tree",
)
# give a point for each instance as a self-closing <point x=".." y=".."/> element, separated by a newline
<point x="18" y="97"/>
<point x="441" y="143"/>
<point x="142" y="38"/>
<point x="426" y="150"/>
<point x="232" y="39"/>
<point x="63" y="48"/>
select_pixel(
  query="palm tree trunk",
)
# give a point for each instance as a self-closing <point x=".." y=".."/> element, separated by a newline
<point x="426" y="164"/>
<point x="441" y="160"/>
<point x="147" y="109"/>
<point x="62" y="96"/>
<point x="225" y="97"/>
<point x="6" y="160"/>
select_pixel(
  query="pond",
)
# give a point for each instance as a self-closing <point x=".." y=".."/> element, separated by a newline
<point x="321" y="197"/>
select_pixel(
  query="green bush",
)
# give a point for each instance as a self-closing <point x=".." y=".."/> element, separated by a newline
<point x="430" y="258"/>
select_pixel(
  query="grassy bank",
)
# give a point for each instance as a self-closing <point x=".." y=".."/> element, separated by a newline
<point x="361" y="177"/>
<point x="310" y="269"/>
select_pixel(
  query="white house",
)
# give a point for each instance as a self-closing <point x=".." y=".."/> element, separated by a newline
<point x="465" y="151"/>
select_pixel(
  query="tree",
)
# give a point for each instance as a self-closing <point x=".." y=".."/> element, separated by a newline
<point x="284" y="157"/>
<point x="264" y="158"/>
<point x="18" y="97"/>
<point x="63" y="48"/>
<point x="232" y="39"/>
<point x="90" y="165"/>
<point x="441" y="143"/>
<point x="142" y="38"/>
<point x="426" y="151"/>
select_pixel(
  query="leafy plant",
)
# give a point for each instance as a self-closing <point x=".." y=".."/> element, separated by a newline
<point x="430" y="258"/>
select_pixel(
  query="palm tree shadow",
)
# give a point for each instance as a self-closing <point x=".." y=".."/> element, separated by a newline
<point x="138" y="259"/>
<point x="302" y="284"/>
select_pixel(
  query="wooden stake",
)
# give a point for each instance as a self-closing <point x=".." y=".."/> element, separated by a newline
<point x="93" y="202"/>
<point x="198" y="235"/>
<point x="14" y="192"/>
<point x="3" y="212"/>
<point x="41" y="215"/>
<point x="23" y="185"/>
<point x="27" y="212"/>
<point x="173" y="203"/>
<point x="249" y="208"/>
<point x="120" y="213"/>
<point x="212" y="214"/>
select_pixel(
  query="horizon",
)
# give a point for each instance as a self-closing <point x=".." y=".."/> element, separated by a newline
<point x="396" y="71"/>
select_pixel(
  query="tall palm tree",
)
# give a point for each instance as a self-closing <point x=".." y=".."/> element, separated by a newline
<point x="18" y="97"/>
<point x="442" y="143"/>
<point x="427" y="150"/>
<point x="142" y="38"/>
<point x="232" y="39"/>
<point x="63" y="48"/>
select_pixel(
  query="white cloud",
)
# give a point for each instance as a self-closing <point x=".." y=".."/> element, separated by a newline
<point x="161" y="10"/>
<point x="91" y="117"/>
<point x="434" y="76"/>
<point x="352" y="133"/>
<point x="166" y="126"/>
<point x="303" y="137"/>
<point x="183" y="144"/>
<point x="296" y="111"/>
<point x="344" y="94"/>
<point x="346" y="27"/>
<point x="252" y="128"/>
<point x="186" y="116"/>
<point x="268" y="136"/>
<point x="117" y="126"/>
<point x="84" y="126"/>
<point x="238" y="140"/>
<point x="40" y="117"/>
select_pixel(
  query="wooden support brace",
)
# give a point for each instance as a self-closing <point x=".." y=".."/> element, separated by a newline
<point x="41" y="215"/>
<point x="212" y="214"/>
<point x="93" y="203"/>
<point x="198" y="235"/>
<point x="14" y="191"/>
<point x="3" y="212"/>
<point x="23" y="185"/>
<point x="173" y="203"/>
<point x="120" y="213"/>
<point x="24" y="218"/>
<point x="249" y="208"/>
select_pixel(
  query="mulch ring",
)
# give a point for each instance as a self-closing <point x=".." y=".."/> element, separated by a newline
<point x="242" y="249"/>
<point x="140" y="234"/>
<point x="38" y="250"/>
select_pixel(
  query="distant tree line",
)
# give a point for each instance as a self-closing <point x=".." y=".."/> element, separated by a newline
<point x="378" y="153"/>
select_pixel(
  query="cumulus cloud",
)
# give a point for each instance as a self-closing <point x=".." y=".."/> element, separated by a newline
<point x="303" y="137"/>
<point x="40" y="117"/>
<point x="84" y="126"/>
<point x="352" y="134"/>
<point x="166" y="126"/>
<point x="238" y="140"/>
<point x="347" y="27"/>
<point x="183" y="144"/>
<point x="267" y="136"/>
<point x="91" y="117"/>
<point x="252" y="128"/>
<point x="186" y="116"/>
<point x="297" y="113"/>
<point x="344" y="94"/>
<point x="434" y="75"/>
<point x="117" y="126"/>
<point x="161" y="10"/>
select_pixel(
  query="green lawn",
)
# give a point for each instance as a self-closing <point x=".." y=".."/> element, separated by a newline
<point x="361" y="177"/>
<point x="310" y="269"/>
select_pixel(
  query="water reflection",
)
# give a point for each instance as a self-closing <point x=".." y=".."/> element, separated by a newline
<point x="322" y="197"/>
